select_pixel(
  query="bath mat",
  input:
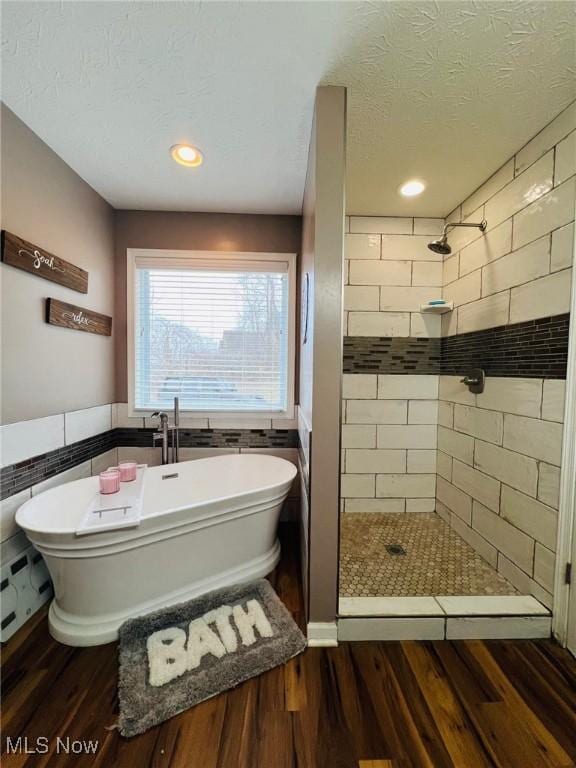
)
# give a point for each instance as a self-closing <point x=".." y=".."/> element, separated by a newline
<point x="175" y="658"/>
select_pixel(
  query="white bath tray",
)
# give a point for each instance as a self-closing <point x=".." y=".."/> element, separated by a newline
<point x="437" y="309"/>
<point x="112" y="512"/>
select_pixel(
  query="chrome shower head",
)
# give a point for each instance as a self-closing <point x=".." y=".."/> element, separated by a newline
<point x="441" y="246"/>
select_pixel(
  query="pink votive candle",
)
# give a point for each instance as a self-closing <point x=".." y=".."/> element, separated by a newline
<point x="109" y="481"/>
<point x="127" y="471"/>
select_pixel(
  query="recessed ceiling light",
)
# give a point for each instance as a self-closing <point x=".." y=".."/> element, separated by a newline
<point x="187" y="155"/>
<point x="412" y="188"/>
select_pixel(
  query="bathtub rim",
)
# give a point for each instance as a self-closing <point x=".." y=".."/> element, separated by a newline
<point x="30" y="527"/>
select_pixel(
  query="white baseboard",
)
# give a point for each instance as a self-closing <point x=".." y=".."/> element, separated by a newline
<point x="322" y="634"/>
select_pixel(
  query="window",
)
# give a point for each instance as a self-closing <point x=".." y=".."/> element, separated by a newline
<point x="215" y="330"/>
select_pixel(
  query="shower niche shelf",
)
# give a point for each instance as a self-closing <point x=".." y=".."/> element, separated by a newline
<point x="436" y="309"/>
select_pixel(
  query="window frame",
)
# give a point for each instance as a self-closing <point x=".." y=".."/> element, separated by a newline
<point x="288" y="258"/>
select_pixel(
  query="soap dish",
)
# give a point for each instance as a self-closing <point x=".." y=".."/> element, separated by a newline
<point x="437" y="309"/>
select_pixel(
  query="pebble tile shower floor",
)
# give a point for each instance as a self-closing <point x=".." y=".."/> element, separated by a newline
<point x="437" y="560"/>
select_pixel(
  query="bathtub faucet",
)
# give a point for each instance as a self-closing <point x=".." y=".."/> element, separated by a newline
<point x="164" y="430"/>
<point x="162" y="435"/>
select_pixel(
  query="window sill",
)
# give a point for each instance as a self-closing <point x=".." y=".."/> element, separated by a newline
<point x="214" y="420"/>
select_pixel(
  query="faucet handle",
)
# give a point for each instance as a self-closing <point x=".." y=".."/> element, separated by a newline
<point x="475" y="380"/>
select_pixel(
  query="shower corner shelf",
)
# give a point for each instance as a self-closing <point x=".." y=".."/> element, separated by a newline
<point x="437" y="309"/>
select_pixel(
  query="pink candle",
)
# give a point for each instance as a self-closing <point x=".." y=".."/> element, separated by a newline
<point x="109" y="481"/>
<point x="127" y="471"/>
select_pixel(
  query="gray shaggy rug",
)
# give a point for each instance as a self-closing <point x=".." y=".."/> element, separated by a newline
<point x="175" y="658"/>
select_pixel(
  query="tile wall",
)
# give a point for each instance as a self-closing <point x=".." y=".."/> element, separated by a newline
<point x="391" y="365"/>
<point x="537" y="348"/>
<point x="389" y="442"/>
<point x="493" y="460"/>
<point x="389" y="272"/>
<point x="499" y="474"/>
<point x="499" y="453"/>
<point x="41" y="453"/>
<point x="520" y="268"/>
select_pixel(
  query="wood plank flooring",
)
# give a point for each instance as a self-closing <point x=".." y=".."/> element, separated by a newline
<point x="361" y="705"/>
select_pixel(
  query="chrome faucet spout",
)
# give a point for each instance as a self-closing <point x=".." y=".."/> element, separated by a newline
<point x="162" y="435"/>
<point x="168" y="437"/>
<point x="176" y="432"/>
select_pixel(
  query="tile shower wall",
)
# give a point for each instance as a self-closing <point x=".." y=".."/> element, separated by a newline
<point x="499" y="473"/>
<point x="389" y="272"/>
<point x="536" y="348"/>
<point x="389" y="443"/>
<point x="520" y="269"/>
<point x="499" y="452"/>
<point x="391" y="365"/>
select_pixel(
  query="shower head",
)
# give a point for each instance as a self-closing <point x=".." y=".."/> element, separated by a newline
<point x="441" y="246"/>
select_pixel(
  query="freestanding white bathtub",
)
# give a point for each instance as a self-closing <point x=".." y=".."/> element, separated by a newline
<point x="211" y="525"/>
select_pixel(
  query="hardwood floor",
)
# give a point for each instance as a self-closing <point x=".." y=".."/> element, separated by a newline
<point x="361" y="705"/>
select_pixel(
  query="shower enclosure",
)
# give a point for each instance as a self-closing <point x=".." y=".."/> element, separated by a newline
<point x="449" y="480"/>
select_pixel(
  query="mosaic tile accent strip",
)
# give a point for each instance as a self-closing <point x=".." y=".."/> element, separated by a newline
<point x="18" y="477"/>
<point x="215" y="438"/>
<point x="370" y="354"/>
<point x="240" y="438"/>
<point x="437" y="560"/>
<point x="534" y="349"/>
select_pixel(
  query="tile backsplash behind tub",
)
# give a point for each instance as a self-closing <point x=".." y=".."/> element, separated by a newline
<point x="45" y="452"/>
<point x="42" y="453"/>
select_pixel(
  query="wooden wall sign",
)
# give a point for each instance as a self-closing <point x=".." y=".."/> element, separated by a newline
<point x="77" y="318"/>
<point x="23" y="255"/>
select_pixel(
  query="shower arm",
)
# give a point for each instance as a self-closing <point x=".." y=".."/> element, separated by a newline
<point x="481" y="226"/>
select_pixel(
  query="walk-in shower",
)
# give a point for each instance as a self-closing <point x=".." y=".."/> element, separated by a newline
<point x="441" y="246"/>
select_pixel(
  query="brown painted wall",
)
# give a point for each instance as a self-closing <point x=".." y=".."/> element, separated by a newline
<point x="321" y="357"/>
<point x="48" y="370"/>
<point x="194" y="232"/>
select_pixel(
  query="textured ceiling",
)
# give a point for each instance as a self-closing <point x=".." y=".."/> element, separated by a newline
<point x="445" y="91"/>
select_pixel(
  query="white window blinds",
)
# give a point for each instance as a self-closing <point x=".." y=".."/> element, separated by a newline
<point x="213" y="332"/>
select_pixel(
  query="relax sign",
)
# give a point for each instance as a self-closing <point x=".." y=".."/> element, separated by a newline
<point x="173" y="651"/>
<point x="77" y="318"/>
